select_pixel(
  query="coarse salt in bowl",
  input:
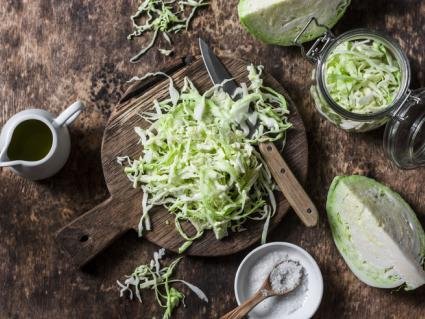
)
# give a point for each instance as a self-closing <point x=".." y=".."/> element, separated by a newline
<point x="301" y="303"/>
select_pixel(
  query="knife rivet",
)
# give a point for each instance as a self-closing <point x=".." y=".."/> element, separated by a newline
<point x="282" y="171"/>
<point x="269" y="148"/>
<point x="84" y="238"/>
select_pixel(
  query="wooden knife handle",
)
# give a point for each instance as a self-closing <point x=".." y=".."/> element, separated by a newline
<point x="289" y="185"/>
<point x="92" y="232"/>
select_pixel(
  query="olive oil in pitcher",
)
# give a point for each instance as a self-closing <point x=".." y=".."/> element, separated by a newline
<point x="31" y="141"/>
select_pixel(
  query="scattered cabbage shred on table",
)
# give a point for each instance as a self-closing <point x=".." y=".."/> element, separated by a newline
<point x="155" y="277"/>
<point x="362" y="76"/>
<point x="199" y="159"/>
<point x="163" y="17"/>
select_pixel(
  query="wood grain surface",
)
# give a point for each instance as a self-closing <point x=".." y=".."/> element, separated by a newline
<point x="53" y="52"/>
<point x="95" y="230"/>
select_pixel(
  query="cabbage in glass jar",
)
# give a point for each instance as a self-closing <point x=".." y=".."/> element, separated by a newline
<point x="361" y="78"/>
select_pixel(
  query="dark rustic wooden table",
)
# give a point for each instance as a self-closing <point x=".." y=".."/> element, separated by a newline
<point x="53" y="52"/>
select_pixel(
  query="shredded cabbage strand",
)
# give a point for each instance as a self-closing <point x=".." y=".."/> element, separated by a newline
<point x="154" y="277"/>
<point x="199" y="160"/>
<point x="362" y="76"/>
<point x="162" y="16"/>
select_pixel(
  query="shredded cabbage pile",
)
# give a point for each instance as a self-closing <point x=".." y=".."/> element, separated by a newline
<point x="199" y="162"/>
<point x="362" y="76"/>
<point x="153" y="276"/>
<point x="162" y="16"/>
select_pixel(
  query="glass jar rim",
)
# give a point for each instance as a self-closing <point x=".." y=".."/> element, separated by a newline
<point x="396" y="51"/>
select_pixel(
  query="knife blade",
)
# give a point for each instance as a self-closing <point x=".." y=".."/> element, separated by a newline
<point x="219" y="74"/>
<point x="216" y="70"/>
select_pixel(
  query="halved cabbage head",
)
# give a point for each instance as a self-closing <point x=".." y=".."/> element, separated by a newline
<point x="279" y="21"/>
<point x="376" y="232"/>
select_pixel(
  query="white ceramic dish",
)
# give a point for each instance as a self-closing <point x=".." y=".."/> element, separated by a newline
<point x="314" y="284"/>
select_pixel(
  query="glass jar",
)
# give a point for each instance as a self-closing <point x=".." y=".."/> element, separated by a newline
<point x="404" y="137"/>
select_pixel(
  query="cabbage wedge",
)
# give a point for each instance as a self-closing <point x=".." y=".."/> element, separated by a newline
<point x="376" y="232"/>
<point x="279" y="21"/>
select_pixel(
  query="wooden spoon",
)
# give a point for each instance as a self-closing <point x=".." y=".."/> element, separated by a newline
<point x="263" y="293"/>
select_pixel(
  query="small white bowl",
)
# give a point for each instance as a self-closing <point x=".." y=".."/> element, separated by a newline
<point x="314" y="278"/>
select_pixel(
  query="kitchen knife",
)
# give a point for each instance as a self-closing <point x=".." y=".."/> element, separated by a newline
<point x="282" y="174"/>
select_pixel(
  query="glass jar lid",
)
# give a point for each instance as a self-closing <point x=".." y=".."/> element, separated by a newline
<point x="404" y="137"/>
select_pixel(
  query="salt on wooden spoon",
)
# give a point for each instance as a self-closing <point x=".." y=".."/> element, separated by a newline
<point x="284" y="278"/>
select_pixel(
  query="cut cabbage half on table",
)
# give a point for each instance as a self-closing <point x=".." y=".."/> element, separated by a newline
<point x="279" y="21"/>
<point x="376" y="232"/>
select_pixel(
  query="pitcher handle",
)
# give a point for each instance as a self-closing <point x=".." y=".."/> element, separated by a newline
<point x="70" y="114"/>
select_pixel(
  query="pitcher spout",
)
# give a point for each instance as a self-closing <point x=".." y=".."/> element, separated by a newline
<point x="5" y="141"/>
<point x="4" y="144"/>
<point x="5" y="161"/>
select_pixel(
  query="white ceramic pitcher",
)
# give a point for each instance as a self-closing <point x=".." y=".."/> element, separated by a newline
<point x="55" y="157"/>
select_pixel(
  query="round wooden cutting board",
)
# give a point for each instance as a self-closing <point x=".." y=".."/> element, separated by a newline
<point x="92" y="232"/>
